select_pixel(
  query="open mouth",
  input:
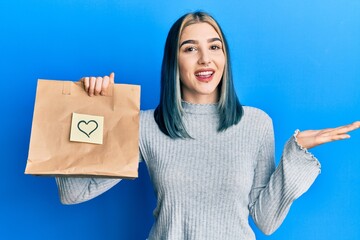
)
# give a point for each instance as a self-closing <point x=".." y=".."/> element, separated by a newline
<point x="204" y="76"/>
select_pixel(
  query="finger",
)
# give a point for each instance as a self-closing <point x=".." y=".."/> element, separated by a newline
<point x="329" y="132"/>
<point x="112" y="77"/>
<point x="353" y="126"/>
<point x="357" y="124"/>
<point x="345" y="129"/>
<point x="98" y="85"/>
<point x="92" y="86"/>
<point x="339" y="130"/>
<point x="86" y="82"/>
<point x="105" y="85"/>
<point x="309" y="133"/>
<point x="326" y="130"/>
<point x="334" y="138"/>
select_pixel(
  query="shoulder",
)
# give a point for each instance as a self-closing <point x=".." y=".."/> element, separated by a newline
<point x="147" y="119"/>
<point x="256" y="113"/>
<point x="257" y="123"/>
<point x="255" y="118"/>
<point x="146" y="114"/>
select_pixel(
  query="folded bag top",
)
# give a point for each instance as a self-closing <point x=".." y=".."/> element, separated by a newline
<point x="106" y="130"/>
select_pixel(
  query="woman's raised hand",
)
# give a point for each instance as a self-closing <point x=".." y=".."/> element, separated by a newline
<point x="97" y="85"/>
<point x="312" y="138"/>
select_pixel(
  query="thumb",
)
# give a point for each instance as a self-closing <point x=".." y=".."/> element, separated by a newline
<point x="112" y="77"/>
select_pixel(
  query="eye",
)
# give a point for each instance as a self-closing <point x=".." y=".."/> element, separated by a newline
<point x="215" y="47"/>
<point x="190" y="49"/>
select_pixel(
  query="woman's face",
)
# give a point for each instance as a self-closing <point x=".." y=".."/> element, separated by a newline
<point x="201" y="63"/>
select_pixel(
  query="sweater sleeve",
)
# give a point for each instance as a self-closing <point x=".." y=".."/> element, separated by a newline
<point x="74" y="190"/>
<point x="274" y="191"/>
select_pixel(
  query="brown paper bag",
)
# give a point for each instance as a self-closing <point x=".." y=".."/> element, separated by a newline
<point x="52" y="153"/>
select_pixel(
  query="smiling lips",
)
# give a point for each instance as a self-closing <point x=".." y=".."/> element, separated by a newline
<point x="204" y="75"/>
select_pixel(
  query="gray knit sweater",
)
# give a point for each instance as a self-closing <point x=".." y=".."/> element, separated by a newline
<point x="206" y="187"/>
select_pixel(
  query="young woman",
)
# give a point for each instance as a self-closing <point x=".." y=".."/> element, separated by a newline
<point x="210" y="159"/>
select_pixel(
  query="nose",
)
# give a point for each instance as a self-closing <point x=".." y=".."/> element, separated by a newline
<point x="204" y="57"/>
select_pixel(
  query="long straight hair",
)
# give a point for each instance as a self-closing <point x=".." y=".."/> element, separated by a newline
<point x="168" y="114"/>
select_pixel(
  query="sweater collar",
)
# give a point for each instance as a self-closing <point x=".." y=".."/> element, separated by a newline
<point x="211" y="108"/>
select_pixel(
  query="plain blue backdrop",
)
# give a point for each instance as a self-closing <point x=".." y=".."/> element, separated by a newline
<point x="297" y="60"/>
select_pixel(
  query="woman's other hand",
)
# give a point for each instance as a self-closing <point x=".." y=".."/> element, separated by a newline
<point x="97" y="85"/>
<point x="312" y="138"/>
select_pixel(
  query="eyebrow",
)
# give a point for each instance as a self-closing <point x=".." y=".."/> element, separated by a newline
<point x="195" y="42"/>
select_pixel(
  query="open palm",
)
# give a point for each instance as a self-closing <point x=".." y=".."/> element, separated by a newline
<point x="312" y="138"/>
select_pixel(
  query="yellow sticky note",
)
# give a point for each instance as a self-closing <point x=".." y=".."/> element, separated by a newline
<point x="87" y="128"/>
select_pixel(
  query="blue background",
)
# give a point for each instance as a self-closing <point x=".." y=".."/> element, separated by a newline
<point x="297" y="60"/>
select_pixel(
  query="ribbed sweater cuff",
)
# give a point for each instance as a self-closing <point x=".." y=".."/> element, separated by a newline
<point x="308" y="155"/>
<point x="301" y="167"/>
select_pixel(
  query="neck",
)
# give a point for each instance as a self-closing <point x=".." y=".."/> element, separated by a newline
<point x="201" y="99"/>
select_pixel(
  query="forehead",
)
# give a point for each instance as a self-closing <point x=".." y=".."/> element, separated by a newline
<point x="199" y="31"/>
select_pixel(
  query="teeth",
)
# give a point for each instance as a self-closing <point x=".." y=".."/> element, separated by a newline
<point x="204" y="73"/>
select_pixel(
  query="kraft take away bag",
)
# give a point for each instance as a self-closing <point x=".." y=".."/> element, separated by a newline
<point x="76" y="135"/>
